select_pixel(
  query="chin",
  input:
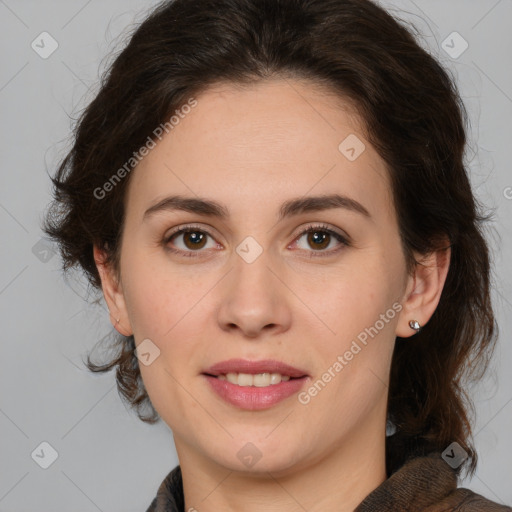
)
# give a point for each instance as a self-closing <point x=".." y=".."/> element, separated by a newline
<point x="258" y="458"/>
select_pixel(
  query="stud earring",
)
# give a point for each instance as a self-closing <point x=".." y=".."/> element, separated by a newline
<point x="415" y="325"/>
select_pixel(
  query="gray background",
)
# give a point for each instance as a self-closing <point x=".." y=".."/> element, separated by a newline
<point x="107" y="458"/>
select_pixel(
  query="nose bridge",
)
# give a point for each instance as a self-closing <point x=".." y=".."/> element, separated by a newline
<point x="251" y="267"/>
<point x="253" y="298"/>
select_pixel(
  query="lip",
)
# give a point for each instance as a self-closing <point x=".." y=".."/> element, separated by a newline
<point x="254" y="367"/>
<point x="251" y="397"/>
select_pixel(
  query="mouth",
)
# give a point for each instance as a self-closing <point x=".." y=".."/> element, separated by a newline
<point x="244" y="372"/>
<point x="254" y="385"/>
<point x="259" y="380"/>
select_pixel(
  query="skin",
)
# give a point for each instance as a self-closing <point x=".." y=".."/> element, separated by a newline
<point x="252" y="149"/>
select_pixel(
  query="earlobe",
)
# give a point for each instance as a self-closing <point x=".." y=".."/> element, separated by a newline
<point x="112" y="292"/>
<point x="423" y="291"/>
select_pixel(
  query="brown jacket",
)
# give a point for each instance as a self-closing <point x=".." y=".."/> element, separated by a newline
<point x="426" y="484"/>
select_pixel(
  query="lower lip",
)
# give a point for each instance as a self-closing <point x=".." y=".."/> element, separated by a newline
<point x="253" y="398"/>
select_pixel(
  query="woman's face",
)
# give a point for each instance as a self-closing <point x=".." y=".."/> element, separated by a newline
<point x="254" y="285"/>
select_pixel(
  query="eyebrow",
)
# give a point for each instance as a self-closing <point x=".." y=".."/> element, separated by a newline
<point x="290" y="208"/>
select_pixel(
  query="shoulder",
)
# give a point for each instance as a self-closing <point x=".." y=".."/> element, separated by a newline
<point x="426" y="484"/>
<point x="465" y="500"/>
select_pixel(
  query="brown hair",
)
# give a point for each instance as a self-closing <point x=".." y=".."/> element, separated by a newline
<point x="414" y="117"/>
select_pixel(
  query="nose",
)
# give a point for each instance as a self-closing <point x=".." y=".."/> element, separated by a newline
<point x="254" y="301"/>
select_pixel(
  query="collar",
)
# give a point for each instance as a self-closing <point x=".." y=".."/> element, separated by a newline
<point x="424" y="483"/>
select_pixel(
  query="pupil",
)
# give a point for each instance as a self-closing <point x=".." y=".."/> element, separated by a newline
<point x="319" y="237"/>
<point x="194" y="238"/>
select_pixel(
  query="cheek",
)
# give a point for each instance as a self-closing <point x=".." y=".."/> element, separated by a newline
<point x="337" y="302"/>
<point x="169" y="308"/>
<point x="353" y="361"/>
<point x="354" y="298"/>
<point x="360" y="307"/>
<point x="157" y="297"/>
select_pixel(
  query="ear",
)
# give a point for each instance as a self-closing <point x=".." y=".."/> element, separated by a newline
<point x="423" y="290"/>
<point x="113" y="293"/>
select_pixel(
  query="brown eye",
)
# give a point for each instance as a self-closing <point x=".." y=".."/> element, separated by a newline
<point x="194" y="239"/>
<point x="319" y="238"/>
<point x="188" y="241"/>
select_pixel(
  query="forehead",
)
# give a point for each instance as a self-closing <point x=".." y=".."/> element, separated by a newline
<point x="263" y="142"/>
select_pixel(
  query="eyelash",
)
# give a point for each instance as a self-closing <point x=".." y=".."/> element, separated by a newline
<point x="311" y="229"/>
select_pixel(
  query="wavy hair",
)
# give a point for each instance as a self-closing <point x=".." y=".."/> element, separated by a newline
<point x="413" y="116"/>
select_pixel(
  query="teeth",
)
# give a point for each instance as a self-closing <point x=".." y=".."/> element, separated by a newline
<point x="259" y="380"/>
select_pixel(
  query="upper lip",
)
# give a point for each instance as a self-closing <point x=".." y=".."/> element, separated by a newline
<point x="254" y="367"/>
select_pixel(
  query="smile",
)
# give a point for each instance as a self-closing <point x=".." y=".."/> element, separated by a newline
<point x="254" y="385"/>
<point x="258" y="380"/>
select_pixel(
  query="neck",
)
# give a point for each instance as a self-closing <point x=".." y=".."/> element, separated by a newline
<point x="335" y="481"/>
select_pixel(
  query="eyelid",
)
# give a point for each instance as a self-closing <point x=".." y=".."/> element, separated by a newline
<point x="188" y="227"/>
<point x="183" y="228"/>
<point x="342" y="238"/>
<point x="320" y="226"/>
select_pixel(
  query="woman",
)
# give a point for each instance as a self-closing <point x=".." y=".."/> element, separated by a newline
<point x="271" y="196"/>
